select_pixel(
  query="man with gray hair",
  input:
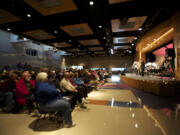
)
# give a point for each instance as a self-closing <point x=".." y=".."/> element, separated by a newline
<point x="68" y="89"/>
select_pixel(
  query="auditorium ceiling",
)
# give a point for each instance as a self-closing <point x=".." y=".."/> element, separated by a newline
<point x="83" y="27"/>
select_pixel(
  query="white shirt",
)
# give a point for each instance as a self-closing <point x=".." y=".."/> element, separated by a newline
<point x="66" y="85"/>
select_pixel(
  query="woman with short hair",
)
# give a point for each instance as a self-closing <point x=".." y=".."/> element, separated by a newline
<point x="49" y="99"/>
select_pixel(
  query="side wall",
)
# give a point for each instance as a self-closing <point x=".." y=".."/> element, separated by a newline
<point x="13" y="51"/>
<point x="98" y="62"/>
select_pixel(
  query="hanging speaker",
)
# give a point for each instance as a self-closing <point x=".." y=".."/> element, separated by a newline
<point x="170" y="52"/>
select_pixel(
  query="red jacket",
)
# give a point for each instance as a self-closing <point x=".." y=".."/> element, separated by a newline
<point x="22" y="91"/>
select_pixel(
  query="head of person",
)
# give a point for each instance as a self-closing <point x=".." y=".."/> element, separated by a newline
<point x="13" y="76"/>
<point x="4" y="74"/>
<point x="26" y="75"/>
<point x="66" y="75"/>
<point x="51" y="78"/>
<point x="71" y="74"/>
<point x="42" y="77"/>
<point x="76" y="74"/>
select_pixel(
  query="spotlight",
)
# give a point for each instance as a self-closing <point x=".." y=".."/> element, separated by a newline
<point x="100" y="26"/>
<point x="135" y="38"/>
<point x="70" y="41"/>
<point x="55" y="31"/>
<point x="132" y="44"/>
<point x="91" y="3"/>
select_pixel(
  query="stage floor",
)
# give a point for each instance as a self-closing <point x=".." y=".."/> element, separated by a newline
<point x="150" y="77"/>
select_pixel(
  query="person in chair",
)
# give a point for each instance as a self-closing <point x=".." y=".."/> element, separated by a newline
<point x="49" y="99"/>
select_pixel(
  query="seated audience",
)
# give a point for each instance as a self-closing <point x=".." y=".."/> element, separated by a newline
<point x="24" y="91"/>
<point x="49" y="98"/>
<point x="94" y="80"/>
<point x="7" y="90"/>
<point x="81" y="87"/>
<point x="68" y="89"/>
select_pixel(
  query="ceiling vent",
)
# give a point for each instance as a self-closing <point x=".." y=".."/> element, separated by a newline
<point x="50" y="3"/>
<point x="77" y="31"/>
<point x="122" y="40"/>
<point x="127" y="25"/>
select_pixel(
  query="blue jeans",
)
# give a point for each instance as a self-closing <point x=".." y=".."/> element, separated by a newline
<point x="60" y="105"/>
<point x="9" y="100"/>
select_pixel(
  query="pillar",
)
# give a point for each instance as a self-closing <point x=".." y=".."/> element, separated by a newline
<point x="176" y="41"/>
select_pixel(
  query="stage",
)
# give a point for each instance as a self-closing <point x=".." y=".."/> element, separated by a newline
<point x="164" y="86"/>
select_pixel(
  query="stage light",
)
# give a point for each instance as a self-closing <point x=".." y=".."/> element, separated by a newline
<point x="28" y="15"/>
<point x="91" y="3"/>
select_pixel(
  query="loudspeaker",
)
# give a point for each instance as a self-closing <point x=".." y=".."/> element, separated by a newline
<point x="170" y="52"/>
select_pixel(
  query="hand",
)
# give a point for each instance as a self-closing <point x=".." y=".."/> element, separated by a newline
<point x="59" y="90"/>
<point x="75" y="90"/>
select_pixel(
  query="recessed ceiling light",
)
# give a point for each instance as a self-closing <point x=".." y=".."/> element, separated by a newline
<point x="104" y="37"/>
<point x="91" y="3"/>
<point x="25" y="38"/>
<point x="135" y="38"/>
<point x="8" y="29"/>
<point x="55" y="31"/>
<point x="129" y="51"/>
<point x="100" y="26"/>
<point x="28" y="15"/>
<point x="136" y="125"/>
<point x="132" y="44"/>
<point x="69" y="40"/>
<point x="140" y="29"/>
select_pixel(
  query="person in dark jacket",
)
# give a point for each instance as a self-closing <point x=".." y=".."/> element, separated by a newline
<point x="7" y="91"/>
<point x="49" y="99"/>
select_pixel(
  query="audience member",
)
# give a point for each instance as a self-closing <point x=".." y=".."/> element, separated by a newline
<point x="24" y="91"/>
<point x="7" y="91"/>
<point x="49" y="98"/>
<point x="68" y="89"/>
